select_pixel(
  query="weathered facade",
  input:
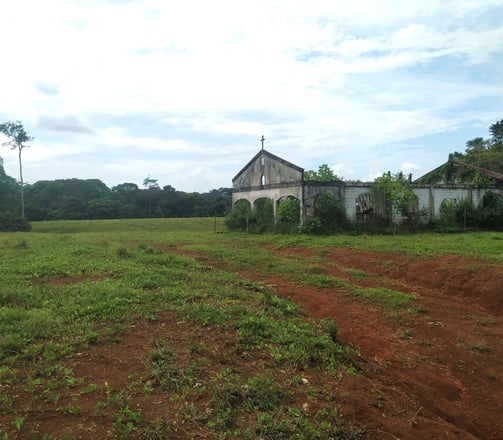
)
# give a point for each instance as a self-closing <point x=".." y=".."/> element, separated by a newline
<point x="269" y="176"/>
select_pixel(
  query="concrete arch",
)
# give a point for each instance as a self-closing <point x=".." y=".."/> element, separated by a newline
<point x="288" y="196"/>
<point x="242" y="200"/>
<point x="261" y="199"/>
<point x="274" y="193"/>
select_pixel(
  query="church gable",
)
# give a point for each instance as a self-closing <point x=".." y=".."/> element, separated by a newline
<point x="267" y="169"/>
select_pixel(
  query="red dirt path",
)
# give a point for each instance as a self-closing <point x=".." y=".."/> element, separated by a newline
<point x="436" y="374"/>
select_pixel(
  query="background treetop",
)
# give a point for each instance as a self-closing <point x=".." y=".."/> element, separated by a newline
<point x="324" y="174"/>
<point x="16" y="134"/>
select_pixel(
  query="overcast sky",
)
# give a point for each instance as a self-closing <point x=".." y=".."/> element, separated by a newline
<point x="182" y="91"/>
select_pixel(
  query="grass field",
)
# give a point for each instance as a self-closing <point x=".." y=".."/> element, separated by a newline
<point x="228" y="357"/>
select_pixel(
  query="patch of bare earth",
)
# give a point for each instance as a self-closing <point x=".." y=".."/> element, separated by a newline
<point x="435" y="373"/>
<point x="115" y="377"/>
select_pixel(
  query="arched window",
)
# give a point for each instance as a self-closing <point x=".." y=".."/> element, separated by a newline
<point x="365" y="207"/>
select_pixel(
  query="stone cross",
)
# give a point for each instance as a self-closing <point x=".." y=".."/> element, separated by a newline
<point x="262" y="140"/>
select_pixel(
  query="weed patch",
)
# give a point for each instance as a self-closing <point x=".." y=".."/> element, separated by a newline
<point x="388" y="298"/>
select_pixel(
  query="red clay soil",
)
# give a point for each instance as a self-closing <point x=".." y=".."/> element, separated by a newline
<point x="433" y="374"/>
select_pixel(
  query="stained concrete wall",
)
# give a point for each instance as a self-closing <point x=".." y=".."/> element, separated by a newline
<point x="313" y="189"/>
<point x="431" y="197"/>
<point x="266" y="170"/>
<point x="269" y="176"/>
<point x="351" y="192"/>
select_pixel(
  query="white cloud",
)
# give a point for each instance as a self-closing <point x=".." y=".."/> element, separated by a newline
<point x="345" y="82"/>
<point x="407" y="166"/>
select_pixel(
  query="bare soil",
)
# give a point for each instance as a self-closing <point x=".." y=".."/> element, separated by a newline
<point x="432" y="373"/>
<point x="437" y="373"/>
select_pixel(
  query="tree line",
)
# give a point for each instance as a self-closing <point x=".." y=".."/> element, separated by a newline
<point x="79" y="199"/>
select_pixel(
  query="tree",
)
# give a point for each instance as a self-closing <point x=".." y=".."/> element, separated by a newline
<point x="18" y="137"/>
<point x="152" y="189"/>
<point x="496" y="131"/>
<point x="490" y="211"/>
<point x="324" y="174"/>
<point x="55" y="199"/>
<point x="396" y="195"/>
<point x="476" y="145"/>
<point x="8" y="190"/>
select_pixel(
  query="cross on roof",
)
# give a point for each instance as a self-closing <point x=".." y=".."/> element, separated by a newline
<point x="262" y="140"/>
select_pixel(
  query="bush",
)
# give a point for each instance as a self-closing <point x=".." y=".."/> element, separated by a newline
<point x="11" y="223"/>
<point x="331" y="213"/>
<point x="242" y="219"/>
<point x="312" y="226"/>
<point x="263" y="217"/>
<point x="490" y="211"/>
<point x="288" y="215"/>
<point x="238" y="217"/>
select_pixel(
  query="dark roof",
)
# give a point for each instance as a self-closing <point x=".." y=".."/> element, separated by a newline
<point x="272" y="156"/>
<point x="484" y="171"/>
<point x="441" y="171"/>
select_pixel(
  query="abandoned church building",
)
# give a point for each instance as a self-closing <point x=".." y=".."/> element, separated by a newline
<point x="269" y="176"/>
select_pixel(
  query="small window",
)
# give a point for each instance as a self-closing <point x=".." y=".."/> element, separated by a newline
<point x="262" y="161"/>
<point x="262" y="179"/>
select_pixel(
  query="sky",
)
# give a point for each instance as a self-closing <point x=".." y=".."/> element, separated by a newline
<point x="183" y="91"/>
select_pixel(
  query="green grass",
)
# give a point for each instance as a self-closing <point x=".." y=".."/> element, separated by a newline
<point x="483" y="245"/>
<point x="112" y="266"/>
<point x="71" y="285"/>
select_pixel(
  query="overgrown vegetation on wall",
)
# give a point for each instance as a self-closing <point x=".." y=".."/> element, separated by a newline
<point x="467" y="167"/>
<point x="463" y="215"/>
<point x="400" y="216"/>
<point x="329" y="216"/>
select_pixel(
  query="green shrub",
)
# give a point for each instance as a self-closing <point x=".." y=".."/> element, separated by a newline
<point x="331" y="213"/>
<point x="10" y="222"/>
<point x="263" y="217"/>
<point x="288" y="215"/>
<point x="312" y="226"/>
<point x="490" y="211"/>
<point x="239" y="216"/>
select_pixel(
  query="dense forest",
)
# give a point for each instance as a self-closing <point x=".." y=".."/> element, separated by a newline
<point x="76" y="199"/>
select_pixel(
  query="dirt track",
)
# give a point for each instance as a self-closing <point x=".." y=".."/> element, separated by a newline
<point x="434" y="374"/>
